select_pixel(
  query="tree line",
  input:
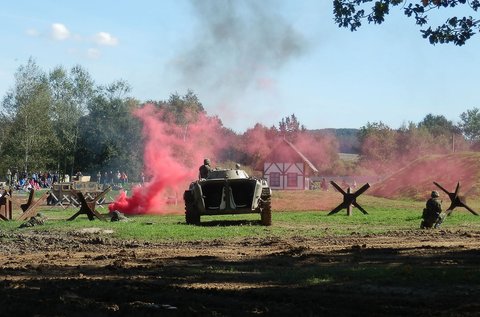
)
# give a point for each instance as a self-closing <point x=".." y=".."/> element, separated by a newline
<point x="384" y="149"/>
<point x="48" y="120"/>
<point x="62" y="121"/>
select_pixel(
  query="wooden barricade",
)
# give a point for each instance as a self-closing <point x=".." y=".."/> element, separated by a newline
<point x="89" y="207"/>
<point x="30" y="207"/>
<point x="25" y="206"/>
<point x="6" y="205"/>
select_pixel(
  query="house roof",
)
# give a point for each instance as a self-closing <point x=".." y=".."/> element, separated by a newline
<point x="279" y="154"/>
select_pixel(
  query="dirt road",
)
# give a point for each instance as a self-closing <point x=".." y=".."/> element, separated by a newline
<point x="90" y="274"/>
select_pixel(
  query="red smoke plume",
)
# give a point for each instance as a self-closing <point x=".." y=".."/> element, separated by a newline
<point x="416" y="179"/>
<point x="321" y="150"/>
<point x="260" y="142"/>
<point x="172" y="155"/>
<point x="257" y="143"/>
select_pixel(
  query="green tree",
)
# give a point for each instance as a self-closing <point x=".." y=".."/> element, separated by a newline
<point x="5" y="126"/>
<point x="413" y="141"/>
<point x="71" y="93"/>
<point x="438" y="125"/>
<point x="183" y="109"/>
<point x="470" y="124"/>
<point x="457" y="30"/>
<point x="378" y="144"/>
<point x="28" y="144"/>
<point x="289" y="127"/>
<point x="109" y="135"/>
<point x="386" y="150"/>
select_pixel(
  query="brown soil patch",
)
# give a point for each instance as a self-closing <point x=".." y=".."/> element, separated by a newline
<point x="294" y="200"/>
<point x="90" y="274"/>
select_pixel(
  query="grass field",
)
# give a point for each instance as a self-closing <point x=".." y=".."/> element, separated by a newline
<point x="384" y="216"/>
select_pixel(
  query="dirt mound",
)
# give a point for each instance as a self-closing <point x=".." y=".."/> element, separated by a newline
<point x="415" y="181"/>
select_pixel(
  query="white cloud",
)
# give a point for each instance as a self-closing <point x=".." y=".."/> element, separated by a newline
<point x="59" y="32"/>
<point x="93" y="53"/>
<point x="104" y="38"/>
<point x="32" y="32"/>
<point x="72" y="51"/>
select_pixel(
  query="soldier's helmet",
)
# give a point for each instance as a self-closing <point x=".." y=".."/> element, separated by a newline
<point x="206" y="161"/>
<point x="435" y="194"/>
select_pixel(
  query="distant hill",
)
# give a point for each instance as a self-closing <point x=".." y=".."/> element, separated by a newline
<point x="416" y="180"/>
<point x="347" y="138"/>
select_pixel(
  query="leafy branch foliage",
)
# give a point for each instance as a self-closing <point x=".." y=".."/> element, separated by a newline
<point x="456" y="30"/>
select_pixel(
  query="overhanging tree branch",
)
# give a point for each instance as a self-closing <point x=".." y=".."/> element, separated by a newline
<point x="456" y="30"/>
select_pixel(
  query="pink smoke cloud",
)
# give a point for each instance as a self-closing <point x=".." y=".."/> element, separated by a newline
<point x="172" y="154"/>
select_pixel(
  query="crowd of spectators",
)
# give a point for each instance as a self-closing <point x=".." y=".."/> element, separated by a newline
<point x="111" y="178"/>
<point x="35" y="180"/>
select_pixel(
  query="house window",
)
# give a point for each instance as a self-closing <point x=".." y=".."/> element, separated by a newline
<point x="292" y="180"/>
<point x="275" y="179"/>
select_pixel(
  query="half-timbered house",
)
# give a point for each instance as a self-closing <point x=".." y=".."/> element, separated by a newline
<point x="287" y="168"/>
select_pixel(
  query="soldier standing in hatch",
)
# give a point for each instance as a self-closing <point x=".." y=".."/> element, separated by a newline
<point x="204" y="169"/>
<point x="432" y="214"/>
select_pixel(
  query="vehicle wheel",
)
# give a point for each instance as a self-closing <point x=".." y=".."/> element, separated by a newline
<point x="192" y="217"/>
<point x="266" y="211"/>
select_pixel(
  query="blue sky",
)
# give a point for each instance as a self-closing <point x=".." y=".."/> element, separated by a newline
<point x="249" y="61"/>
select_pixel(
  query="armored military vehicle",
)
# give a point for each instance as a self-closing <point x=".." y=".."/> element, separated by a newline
<point x="227" y="192"/>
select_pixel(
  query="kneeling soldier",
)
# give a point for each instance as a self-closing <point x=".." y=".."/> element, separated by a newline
<point x="432" y="214"/>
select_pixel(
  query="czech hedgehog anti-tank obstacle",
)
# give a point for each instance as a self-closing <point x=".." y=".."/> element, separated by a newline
<point x="455" y="199"/>
<point x="349" y="199"/>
